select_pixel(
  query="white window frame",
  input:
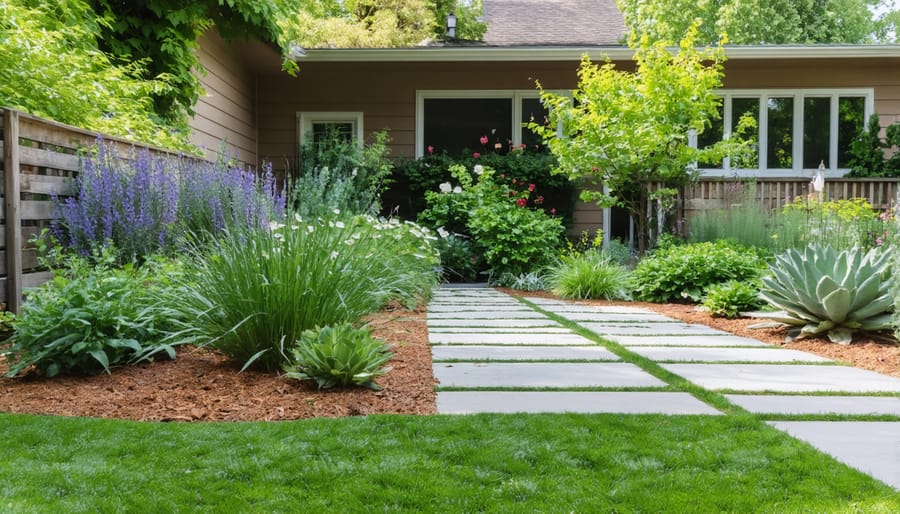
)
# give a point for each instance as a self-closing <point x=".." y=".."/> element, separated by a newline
<point x="798" y="95"/>
<point x="515" y="95"/>
<point x="305" y="120"/>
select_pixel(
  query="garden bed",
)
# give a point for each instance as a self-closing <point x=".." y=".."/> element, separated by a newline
<point x="202" y="385"/>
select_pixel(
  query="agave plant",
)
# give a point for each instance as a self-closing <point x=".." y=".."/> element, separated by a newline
<point x="820" y="291"/>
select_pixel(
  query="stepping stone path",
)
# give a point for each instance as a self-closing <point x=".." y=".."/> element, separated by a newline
<point x="493" y="353"/>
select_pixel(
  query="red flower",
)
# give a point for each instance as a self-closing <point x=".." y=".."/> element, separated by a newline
<point x="531" y="187"/>
<point x="476" y="155"/>
<point x="539" y="200"/>
<point x="553" y="211"/>
<point x="484" y="140"/>
<point x="430" y="149"/>
<point x="521" y="202"/>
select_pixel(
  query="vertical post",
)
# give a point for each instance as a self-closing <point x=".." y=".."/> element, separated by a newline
<point x="13" y="215"/>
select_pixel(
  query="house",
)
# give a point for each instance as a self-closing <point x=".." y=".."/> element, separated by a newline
<point x="809" y="101"/>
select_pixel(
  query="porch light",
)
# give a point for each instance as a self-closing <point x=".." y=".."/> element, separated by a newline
<point x="818" y="182"/>
<point x="451" y="26"/>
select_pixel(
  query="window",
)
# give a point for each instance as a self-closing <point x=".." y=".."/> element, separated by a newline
<point x="313" y="126"/>
<point x="796" y="130"/>
<point x="454" y="121"/>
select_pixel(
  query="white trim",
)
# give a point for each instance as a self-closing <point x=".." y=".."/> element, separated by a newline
<point x="798" y="95"/>
<point x="305" y="120"/>
<point x="514" y="95"/>
<point x="596" y="53"/>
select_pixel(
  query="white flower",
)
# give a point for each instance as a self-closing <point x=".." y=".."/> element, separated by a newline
<point x="443" y="232"/>
<point x="457" y="190"/>
<point x="274" y="225"/>
<point x="297" y="217"/>
<point x="445" y="187"/>
<point x="353" y="174"/>
<point x="479" y="169"/>
<point x="310" y="228"/>
<point x="339" y="224"/>
<point x="334" y="255"/>
<point x="337" y="211"/>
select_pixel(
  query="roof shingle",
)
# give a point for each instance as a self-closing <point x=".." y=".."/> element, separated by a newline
<point x="553" y="22"/>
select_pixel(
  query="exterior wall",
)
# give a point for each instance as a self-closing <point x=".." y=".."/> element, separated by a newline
<point x="226" y="111"/>
<point x="386" y="93"/>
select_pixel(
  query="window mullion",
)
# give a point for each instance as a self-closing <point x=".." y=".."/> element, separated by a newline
<point x="797" y="147"/>
<point x="833" y="133"/>
<point x="516" y="119"/>
<point x="763" y="134"/>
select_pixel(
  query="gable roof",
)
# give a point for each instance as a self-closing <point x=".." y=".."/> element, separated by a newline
<point x="553" y="23"/>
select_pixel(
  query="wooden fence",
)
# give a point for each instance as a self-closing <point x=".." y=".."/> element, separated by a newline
<point x="39" y="160"/>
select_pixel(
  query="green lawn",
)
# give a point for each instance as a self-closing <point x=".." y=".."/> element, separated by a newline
<point x="494" y="463"/>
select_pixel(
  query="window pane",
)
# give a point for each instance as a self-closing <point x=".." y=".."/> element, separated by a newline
<point x="457" y="124"/>
<point x="327" y="130"/>
<point x="780" y="130"/>
<point x="746" y="107"/>
<point x="851" y="121"/>
<point x="712" y="135"/>
<point x="533" y="110"/>
<point x="816" y="132"/>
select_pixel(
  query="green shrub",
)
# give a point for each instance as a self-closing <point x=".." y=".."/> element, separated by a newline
<point x="683" y="272"/>
<point x="730" y="298"/>
<point x="821" y="290"/>
<point x="591" y="275"/>
<point x="339" y="356"/>
<point x="531" y="281"/>
<point x="252" y="291"/>
<point x="90" y="318"/>
<point x="460" y="262"/>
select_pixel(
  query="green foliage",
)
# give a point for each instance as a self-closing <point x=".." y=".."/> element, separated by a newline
<point x="868" y="150"/>
<point x="252" y="291"/>
<point x="531" y="281"/>
<point x="820" y="290"/>
<point x="683" y="272"/>
<point x="749" y="22"/>
<point x="51" y="65"/>
<point x="743" y="219"/>
<point x="590" y="275"/>
<point x="341" y="355"/>
<point x="511" y="237"/>
<point x="336" y="174"/>
<point x="841" y="224"/>
<point x="92" y="317"/>
<point x="460" y="262"/>
<point x="628" y="130"/>
<point x="729" y="299"/>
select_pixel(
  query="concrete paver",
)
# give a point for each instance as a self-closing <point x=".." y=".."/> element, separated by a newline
<point x="558" y="375"/>
<point x="705" y="354"/>
<point x="796" y="404"/>
<point x="793" y="378"/>
<point x="515" y="339"/>
<point x="492" y="323"/>
<point x="870" y="446"/>
<point x="651" y="329"/>
<point x="589" y="402"/>
<point x="497" y="330"/>
<point x="684" y="340"/>
<point x="542" y="353"/>
<point x="487" y="314"/>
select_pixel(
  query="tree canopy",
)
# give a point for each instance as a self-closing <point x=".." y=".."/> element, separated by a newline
<point x="765" y="21"/>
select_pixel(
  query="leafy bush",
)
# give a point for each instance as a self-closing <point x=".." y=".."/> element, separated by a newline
<point x="821" y="290"/>
<point x="460" y="262"/>
<point x="841" y="224"/>
<point x="336" y="174"/>
<point x="251" y="292"/>
<point x="339" y="356"/>
<point x="683" y="272"/>
<point x="511" y="237"/>
<point x="92" y="317"/>
<point x="867" y="155"/>
<point x="728" y="299"/>
<point x="591" y="275"/>
<point x="531" y="281"/>
<point x="144" y="205"/>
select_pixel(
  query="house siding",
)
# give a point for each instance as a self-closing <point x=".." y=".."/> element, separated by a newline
<point x="225" y="112"/>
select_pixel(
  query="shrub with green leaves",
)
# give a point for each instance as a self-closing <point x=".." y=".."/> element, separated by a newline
<point x="729" y="299"/>
<point x="589" y="275"/>
<point x="531" y="281"/>
<point x="92" y="317"/>
<point x="251" y="292"/>
<point x="341" y="355"/>
<point x="682" y="272"/>
<point x="460" y="262"/>
<point x="823" y="291"/>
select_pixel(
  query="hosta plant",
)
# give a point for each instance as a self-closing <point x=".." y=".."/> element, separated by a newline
<point x="341" y="355"/>
<point x="822" y="291"/>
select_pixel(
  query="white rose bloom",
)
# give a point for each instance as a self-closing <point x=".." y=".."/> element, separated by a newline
<point x="457" y="190"/>
<point x="443" y="232"/>
<point x="445" y="187"/>
<point x="479" y="169"/>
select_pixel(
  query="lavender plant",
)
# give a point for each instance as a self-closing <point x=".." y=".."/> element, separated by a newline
<point x="143" y="204"/>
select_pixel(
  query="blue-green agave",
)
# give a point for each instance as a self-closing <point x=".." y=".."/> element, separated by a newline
<point x="820" y="290"/>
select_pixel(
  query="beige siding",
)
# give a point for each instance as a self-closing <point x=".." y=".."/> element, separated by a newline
<point x="386" y="94"/>
<point x="225" y="117"/>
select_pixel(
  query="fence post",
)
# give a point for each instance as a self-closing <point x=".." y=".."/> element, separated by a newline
<point x="13" y="215"/>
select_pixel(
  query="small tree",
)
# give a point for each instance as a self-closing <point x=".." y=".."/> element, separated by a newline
<point x="627" y="131"/>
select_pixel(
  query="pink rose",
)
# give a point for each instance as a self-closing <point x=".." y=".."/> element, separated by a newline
<point x="521" y="202"/>
<point x="430" y="149"/>
<point x="553" y="211"/>
<point x="531" y="187"/>
<point x="476" y="155"/>
<point x="484" y="140"/>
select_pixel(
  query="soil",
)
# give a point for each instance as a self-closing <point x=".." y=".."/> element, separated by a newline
<point x="202" y="385"/>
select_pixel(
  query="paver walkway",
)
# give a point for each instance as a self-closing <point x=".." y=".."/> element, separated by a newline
<point x="493" y="353"/>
